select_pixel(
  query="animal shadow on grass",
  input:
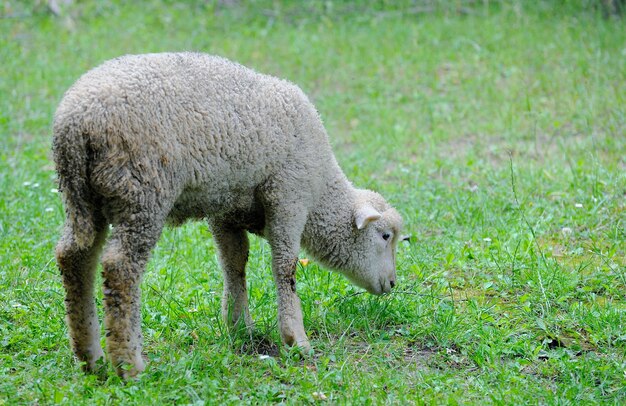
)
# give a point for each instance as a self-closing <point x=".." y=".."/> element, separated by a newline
<point x="255" y="344"/>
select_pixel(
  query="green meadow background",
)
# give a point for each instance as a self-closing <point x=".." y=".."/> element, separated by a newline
<point x="497" y="128"/>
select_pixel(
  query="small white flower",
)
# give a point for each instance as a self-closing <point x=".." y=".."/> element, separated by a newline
<point x="263" y="356"/>
<point x="35" y="184"/>
<point x="49" y="209"/>
<point x="566" y="231"/>
<point x="26" y="183"/>
<point x="55" y="190"/>
<point x="487" y="239"/>
<point x="319" y="396"/>
<point x="578" y="205"/>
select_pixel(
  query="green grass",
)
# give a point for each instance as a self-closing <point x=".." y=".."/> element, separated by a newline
<point x="499" y="135"/>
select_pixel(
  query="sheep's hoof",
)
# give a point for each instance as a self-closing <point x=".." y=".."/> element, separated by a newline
<point x="304" y="347"/>
<point x="95" y="365"/>
<point x="301" y="349"/>
<point x="126" y="370"/>
<point x="301" y="345"/>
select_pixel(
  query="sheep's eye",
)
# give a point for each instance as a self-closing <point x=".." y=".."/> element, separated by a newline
<point x="386" y="236"/>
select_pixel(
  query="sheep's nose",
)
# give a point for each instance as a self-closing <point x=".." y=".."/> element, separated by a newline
<point x="392" y="283"/>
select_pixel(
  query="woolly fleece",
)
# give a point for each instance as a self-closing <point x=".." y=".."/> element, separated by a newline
<point x="143" y="140"/>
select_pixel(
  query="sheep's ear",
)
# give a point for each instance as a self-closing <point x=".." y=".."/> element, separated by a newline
<point x="364" y="215"/>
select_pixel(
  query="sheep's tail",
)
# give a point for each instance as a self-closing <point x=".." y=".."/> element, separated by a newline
<point x="72" y="154"/>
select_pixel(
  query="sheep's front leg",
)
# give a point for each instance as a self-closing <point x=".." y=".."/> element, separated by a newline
<point x="285" y="230"/>
<point x="233" y="247"/>
<point x="124" y="261"/>
<point x="78" y="268"/>
<point x="289" y="310"/>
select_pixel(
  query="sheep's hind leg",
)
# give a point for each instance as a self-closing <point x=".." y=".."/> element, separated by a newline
<point x="78" y="268"/>
<point x="124" y="261"/>
<point x="233" y="250"/>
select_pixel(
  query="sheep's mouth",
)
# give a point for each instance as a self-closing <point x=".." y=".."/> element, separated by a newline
<point x="385" y="287"/>
<point x="374" y="287"/>
<point x="378" y="289"/>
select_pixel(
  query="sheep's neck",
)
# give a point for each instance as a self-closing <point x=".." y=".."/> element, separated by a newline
<point x="328" y="229"/>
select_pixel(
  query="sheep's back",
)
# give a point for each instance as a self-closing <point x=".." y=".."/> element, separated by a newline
<point x="192" y="122"/>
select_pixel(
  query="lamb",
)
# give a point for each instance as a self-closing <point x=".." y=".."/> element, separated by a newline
<point x="147" y="140"/>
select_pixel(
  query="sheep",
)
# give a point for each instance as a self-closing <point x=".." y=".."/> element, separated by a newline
<point x="147" y="140"/>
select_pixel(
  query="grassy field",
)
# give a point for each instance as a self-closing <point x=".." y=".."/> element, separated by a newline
<point x="498" y="133"/>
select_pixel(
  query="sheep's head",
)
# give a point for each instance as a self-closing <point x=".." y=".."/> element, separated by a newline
<point x="376" y="228"/>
